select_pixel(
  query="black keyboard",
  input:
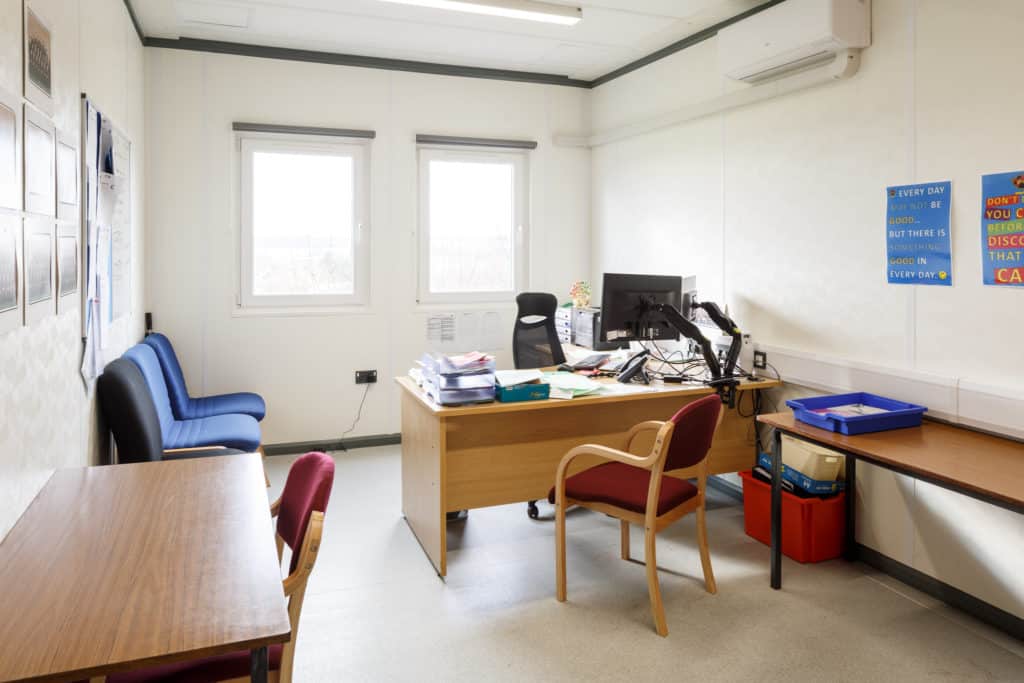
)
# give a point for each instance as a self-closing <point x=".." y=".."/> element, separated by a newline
<point x="592" y="362"/>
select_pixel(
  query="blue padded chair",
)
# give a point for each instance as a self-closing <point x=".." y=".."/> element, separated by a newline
<point x="232" y="431"/>
<point x="187" y="408"/>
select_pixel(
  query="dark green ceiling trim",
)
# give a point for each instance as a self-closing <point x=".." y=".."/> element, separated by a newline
<point x="135" y="22"/>
<point x="341" y="59"/>
<point x="679" y="45"/>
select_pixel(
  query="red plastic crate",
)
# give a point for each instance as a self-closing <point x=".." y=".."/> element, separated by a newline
<point x="813" y="529"/>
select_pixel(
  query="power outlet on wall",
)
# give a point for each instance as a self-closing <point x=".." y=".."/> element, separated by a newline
<point x="760" y="360"/>
<point x="366" y="376"/>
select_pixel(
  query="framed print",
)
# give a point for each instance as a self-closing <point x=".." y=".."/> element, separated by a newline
<point x="68" y="269"/>
<point x="39" y="269"/>
<point x="40" y="164"/>
<point x="11" y="314"/>
<point x="10" y="151"/>
<point x="67" y="178"/>
<point x="38" y="60"/>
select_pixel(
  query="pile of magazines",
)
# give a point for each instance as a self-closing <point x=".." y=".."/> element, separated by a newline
<point x="455" y="380"/>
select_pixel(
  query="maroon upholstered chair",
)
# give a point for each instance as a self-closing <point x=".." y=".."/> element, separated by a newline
<point x="633" y="489"/>
<point x="300" y="520"/>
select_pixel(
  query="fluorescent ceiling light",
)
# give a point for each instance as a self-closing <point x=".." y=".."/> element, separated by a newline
<point x="513" y="9"/>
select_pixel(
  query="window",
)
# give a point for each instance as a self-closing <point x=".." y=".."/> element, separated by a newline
<point x="473" y="224"/>
<point x="304" y="220"/>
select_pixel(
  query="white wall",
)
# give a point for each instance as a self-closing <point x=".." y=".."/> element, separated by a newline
<point x="779" y="207"/>
<point x="48" y="417"/>
<point x="303" y="365"/>
<point x="779" y="210"/>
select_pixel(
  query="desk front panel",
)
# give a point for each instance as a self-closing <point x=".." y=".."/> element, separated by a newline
<point x="500" y="458"/>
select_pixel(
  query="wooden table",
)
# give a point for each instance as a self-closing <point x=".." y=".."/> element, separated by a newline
<point x="982" y="466"/>
<point x="459" y="458"/>
<point x="125" y="566"/>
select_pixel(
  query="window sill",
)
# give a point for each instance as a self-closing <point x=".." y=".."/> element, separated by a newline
<point x="300" y="311"/>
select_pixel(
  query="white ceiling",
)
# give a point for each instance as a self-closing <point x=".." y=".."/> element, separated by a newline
<point x="611" y="34"/>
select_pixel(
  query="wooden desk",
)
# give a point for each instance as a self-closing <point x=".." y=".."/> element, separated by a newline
<point x="118" y="567"/>
<point x="979" y="465"/>
<point x="457" y="458"/>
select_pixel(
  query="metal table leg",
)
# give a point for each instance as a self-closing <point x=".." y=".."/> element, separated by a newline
<point x="776" y="514"/>
<point x="850" y="552"/>
<point x="259" y="665"/>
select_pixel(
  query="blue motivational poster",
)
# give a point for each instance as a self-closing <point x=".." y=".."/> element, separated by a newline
<point x="1002" y="229"/>
<point x="917" y="234"/>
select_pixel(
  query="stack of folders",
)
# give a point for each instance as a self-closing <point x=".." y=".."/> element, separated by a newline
<point x="521" y="385"/>
<point x="455" y="380"/>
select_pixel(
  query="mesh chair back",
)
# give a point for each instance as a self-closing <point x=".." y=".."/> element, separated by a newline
<point x="534" y="338"/>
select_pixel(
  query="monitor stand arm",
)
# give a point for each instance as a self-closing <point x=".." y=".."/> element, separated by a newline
<point x="725" y="384"/>
<point x="691" y="331"/>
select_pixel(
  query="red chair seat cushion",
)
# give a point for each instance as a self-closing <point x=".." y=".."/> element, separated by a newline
<point x="206" y="670"/>
<point x="625" y="486"/>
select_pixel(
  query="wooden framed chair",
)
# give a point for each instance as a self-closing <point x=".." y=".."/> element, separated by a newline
<point x="300" y="521"/>
<point x="634" y="489"/>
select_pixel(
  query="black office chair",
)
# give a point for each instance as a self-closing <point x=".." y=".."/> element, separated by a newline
<point x="534" y="339"/>
<point x="128" y="409"/>
<point x="535" y="342"/>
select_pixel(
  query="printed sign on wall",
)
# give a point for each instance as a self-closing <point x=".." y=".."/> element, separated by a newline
<point x="1002" y="229"/>
<point x="917" y="234"/>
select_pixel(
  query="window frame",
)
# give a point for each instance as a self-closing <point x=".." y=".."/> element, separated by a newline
<point x="521" y="219"/>
<point x="250" y="143"/>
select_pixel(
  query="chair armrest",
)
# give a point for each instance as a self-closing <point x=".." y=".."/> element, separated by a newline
<point x="649" y="426"/>
<point x="195" y="448"/>
<point x="275" y="508"/>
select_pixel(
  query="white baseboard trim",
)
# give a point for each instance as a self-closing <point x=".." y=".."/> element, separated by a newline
<point x="961" y="401"/>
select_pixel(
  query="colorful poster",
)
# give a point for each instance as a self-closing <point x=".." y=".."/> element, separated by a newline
<point x="917" y="234"/>
<point x="1002" y="229"/>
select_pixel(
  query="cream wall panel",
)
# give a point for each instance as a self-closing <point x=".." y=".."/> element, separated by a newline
<point x="48" y="417"/>
<point x="304" y="365"/>
<point x="969" y="544"/>
<point x="885" y="501"/>
<point x="968" y="124"/>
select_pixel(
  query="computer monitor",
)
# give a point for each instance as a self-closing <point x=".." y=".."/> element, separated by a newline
<point x="625" y="306"/>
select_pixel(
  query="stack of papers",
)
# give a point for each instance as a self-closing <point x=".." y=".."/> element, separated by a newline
<point x="568" y="385"/>
<point x="515" y="378"/>
<point x="454" y="380"/>
<point x="850" y="410"/>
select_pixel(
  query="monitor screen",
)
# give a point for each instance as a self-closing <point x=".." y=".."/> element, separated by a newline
<point x="625" y="306"/>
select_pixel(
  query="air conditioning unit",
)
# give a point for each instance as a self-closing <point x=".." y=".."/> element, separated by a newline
<point x="791" y="36"/>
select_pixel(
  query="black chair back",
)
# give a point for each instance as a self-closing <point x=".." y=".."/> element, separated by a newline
<point x="128" y="410"/>
<point x="534" y="338"/>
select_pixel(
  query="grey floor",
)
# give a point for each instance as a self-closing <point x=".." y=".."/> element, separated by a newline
<point x="375" y="609"/>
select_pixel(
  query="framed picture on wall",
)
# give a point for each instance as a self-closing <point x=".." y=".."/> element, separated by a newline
<point x="11" y="314"/>
<point x="39" y="269"/>
<point x="10" y="151"/>
<point x="38" y="60"/>
<point x="68" y="270"/>
<point x="40" y="164"/>
<point x="67" y="178"/>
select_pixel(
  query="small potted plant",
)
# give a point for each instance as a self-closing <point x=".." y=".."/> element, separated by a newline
<point x="580" y="293"/>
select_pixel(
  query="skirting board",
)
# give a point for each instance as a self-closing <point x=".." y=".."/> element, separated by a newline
<point x="966" y="602"/>
<point x="999" y="410"/>
<point x="336" y="445"/>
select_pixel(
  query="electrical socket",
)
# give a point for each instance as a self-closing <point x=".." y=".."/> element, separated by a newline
<point x="760" y="360"/>
<point x="366" y="376"/>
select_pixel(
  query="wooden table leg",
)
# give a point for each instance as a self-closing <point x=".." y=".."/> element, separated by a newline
<point x="776" y="514"/>
<point x="259" y="665"/>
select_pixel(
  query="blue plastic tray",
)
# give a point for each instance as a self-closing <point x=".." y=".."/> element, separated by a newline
<point x="897" y="416"/>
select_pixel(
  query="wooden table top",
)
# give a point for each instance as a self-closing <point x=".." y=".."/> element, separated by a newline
<point x="632" y="392"/>
<point x="985" y="464"/>
<point x="116" y="567"/>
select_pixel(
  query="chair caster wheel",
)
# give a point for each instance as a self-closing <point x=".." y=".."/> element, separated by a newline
<point x="531" y="510"/>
